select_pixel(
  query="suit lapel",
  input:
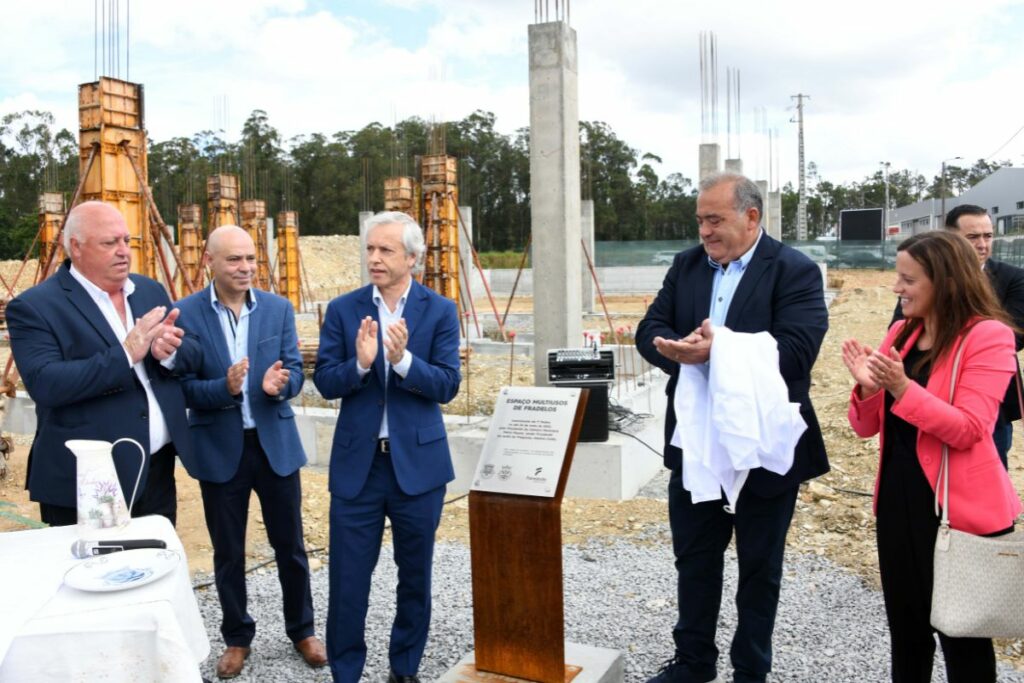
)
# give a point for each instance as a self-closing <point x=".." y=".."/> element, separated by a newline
<point x="702" y="286"/>
<point x="415" y="306"/>
<point x="81" y="300"/>
<point x="214" y="331"/>
<point x="255" y="334"/>
<point x="760" y="261"/>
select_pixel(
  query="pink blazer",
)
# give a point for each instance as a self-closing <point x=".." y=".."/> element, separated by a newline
<point x="981" y="495"/>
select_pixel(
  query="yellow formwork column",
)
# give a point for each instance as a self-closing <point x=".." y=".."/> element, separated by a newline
<point x="288" y="257"/>
<point x="401" y="194"/>
<point x="110" y="112"/>
<point x="51" y="215"/>
<point x="254" y="220"/>
<point x="190" y="238"/>
<point x="222" y="201"/>
<point x="441" y="224"/>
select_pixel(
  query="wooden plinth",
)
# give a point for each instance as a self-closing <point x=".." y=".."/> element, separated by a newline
<point x="516" y="551"/>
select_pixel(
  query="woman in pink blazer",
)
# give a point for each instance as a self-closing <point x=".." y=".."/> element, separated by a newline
<point x="902" y="394"/>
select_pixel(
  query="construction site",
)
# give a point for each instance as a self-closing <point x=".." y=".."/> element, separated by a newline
<point x="514" y="321"/>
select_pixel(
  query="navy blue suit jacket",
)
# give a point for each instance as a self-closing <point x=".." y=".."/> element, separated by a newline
<point x="83" y="386"/>
<point x="781" y="293"/>
<point x="215" y="416"/>
<point x="419" y="443"/>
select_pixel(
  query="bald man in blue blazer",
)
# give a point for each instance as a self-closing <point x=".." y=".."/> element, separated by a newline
<point x="245" y="439"/>
<point x="390" y="351"/>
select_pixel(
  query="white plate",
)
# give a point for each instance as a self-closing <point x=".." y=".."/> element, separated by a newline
<point x="122" y="570"/>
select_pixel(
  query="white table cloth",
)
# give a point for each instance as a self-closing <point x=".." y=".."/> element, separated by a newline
<point x="53" y="632"/>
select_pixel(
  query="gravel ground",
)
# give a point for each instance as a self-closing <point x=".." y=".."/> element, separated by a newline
<point x="619" y="594"/>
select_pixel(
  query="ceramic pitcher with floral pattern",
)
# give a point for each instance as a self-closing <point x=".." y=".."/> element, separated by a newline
<point x="101" y="505"/>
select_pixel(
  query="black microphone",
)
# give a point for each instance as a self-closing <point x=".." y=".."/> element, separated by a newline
<point x="83" y="549"/>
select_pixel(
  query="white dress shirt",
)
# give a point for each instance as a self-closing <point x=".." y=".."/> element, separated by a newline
<point x="236" y="337"/>
<point x="159" y="436"/>
<point x="388" y="317"/>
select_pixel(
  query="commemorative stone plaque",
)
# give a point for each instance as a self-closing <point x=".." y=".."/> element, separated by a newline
<point x="526" y="441"/>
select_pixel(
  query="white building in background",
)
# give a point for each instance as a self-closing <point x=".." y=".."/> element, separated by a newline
<point x="1001" y="193"/>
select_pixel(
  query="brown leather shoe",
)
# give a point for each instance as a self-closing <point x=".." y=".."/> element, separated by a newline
<point x="313" y="651"/>
<point x="231" y="662"/>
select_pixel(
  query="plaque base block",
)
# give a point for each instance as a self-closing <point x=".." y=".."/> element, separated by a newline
<point x="583" y="664"/>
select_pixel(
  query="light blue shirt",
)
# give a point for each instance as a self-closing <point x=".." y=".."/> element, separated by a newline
<point x="388" y="317"/>
<point x="236" y="336"/>
<point x="726" y="281"/>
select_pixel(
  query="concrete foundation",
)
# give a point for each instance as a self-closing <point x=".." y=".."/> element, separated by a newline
<point x="710" y="159"/>
<point x="554" y="190"/>
<point x="587" y="234"/>
<point x="595" y="665"/>
<point x="613" y="470"/>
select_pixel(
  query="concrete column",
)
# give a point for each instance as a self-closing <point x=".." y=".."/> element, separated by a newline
<point x="775" y="214"/>
<point x="734" y="166"/>
<point x="587" y="232"/>
<point x="471" y="276"/>
<point x="710" y="156"/>
<point x="554" y="191"/>
<point x="766" y="219"/>
<point x="364" y="272"/>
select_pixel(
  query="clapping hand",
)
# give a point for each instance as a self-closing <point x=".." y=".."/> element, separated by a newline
<point x="395" y="341"/>
<point x="887" y="371"/>
<point x="366" y="343"/>
<point x="168" y="337"/>
<point x="855" y="358"/>
<point x="236" y="376"/>
<point x="139" y="339"/>
<point x="275" y="378"/>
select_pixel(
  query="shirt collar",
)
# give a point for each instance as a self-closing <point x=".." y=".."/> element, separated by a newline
<point x="95" y="292"/>
<point x="378" y="298"/>
<point x="744" y="260"/>
<point x="250" y="300"/>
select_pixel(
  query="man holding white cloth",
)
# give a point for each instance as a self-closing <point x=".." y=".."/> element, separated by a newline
<point x="746" y="281"/>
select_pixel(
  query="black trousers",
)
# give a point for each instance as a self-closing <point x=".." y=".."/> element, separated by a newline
<point x="159" y="497"/>
<point x="906" y="531"/>
<point x="227" y="510"/>
<point x="700" y="535"/>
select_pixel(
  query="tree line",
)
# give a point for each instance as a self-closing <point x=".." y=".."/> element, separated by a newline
<point x="328" y="179"/>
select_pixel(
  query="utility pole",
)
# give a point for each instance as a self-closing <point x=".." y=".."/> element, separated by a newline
<point x="942" y="191"/>
<point x="885" y="167"/>
<point x="801" y="207"/>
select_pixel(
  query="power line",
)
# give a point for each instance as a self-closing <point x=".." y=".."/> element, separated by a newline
<point x="989" y="157"/>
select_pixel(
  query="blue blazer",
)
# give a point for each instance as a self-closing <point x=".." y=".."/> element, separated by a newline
<point x="83" y="387"/>
<point x="419" y="442"/>
<point x="781" y="293"/>
<point x="215" y="416"/>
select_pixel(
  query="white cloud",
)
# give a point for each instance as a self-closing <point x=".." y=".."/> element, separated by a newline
<point x="907" y="82"/>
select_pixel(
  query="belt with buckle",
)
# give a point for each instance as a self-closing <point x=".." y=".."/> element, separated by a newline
<point x="383" y="445"/>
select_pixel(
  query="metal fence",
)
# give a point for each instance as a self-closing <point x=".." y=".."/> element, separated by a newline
<point x="836" y="255"/>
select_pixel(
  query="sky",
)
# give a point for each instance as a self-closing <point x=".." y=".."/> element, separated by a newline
<point x="908" y="82"/>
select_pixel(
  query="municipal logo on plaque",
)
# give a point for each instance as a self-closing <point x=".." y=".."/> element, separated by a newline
<point x="487" y="471"/>
<point x="505" y="473"/>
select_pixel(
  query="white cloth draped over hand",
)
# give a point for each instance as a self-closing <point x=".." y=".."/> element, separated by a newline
<point x="733" y="415"/>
